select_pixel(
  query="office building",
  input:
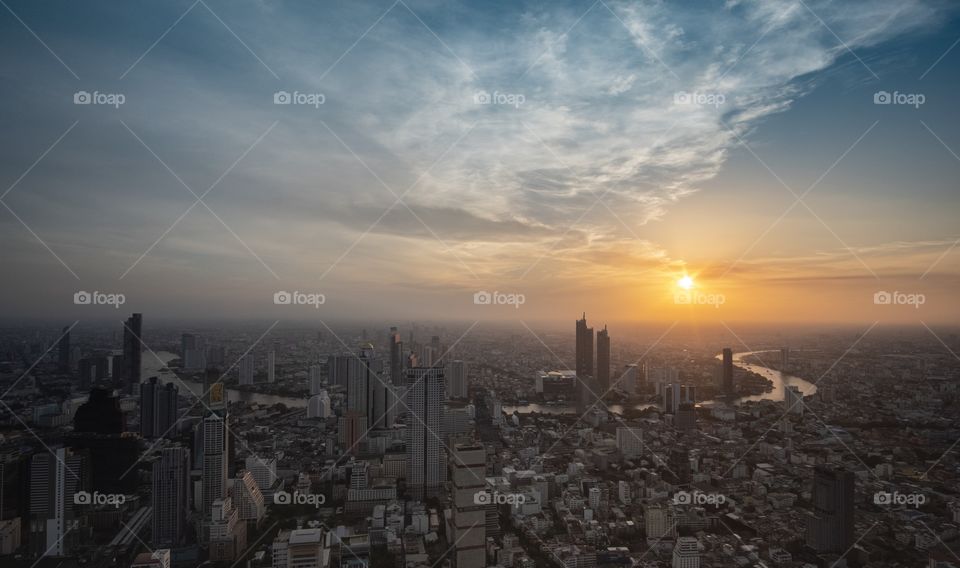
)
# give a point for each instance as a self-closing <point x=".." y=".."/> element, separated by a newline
<point x="629" y="381"/>
<point x="467" y="524"/>
<point x="457" y="380"/>
<point x="830" y="524"/>
<point x="246" y="370"/>
<point x="315" y="377"/>
<point x="227" y="533"/>
<point x="603" y="360"/>
<point x="214" y="466"/>
<point x="170" y="495"/>
<point x="272" y="365"/>
<point x="727" y="370"/>
<point x="158" y="409"/>
<point x="396" y="357"/>
<point x="426" y="471"/>
<point x="132" y="350"/>
<point x="248" y="499"/>
<point x="263" y="470"/>
<point x="793" y="400"/>
<point x="686" y="553"/>
<point x="300" y="548"/>
<point x="319" y="406"/>
<point x="630" y="442"/>
<point x="55" y="477"/>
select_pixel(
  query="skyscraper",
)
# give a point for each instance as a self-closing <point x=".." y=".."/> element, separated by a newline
<point x="214" y="472"/>
<point x="366" y="388"/>
<point x="457" y="380"/>
<point x="425" y="471"/>
<point x="467" y="526"/>
<point x="170" y="485"/>
<point x="830" y="524"/>
<point x="55" y="478"/>
<point x="584" y="365"/>
<point x="603" y="359"/>
<point x="315" y="377"/>
<point x="158" y="409"/>
<point x="727" y="370"/>
<point x="396" y="357"/>
<point x="246" y="370"/>
<point x="132" y="347"/>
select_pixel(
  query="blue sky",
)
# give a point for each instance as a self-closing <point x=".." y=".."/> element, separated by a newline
<point x="589" y="100"/>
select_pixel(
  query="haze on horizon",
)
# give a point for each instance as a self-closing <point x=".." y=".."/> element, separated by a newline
<point x="584" y="157"/>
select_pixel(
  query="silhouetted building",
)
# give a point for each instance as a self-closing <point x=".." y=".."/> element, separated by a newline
<point x="584" y="365"/>
<point x="603" y="359"/>
<point x="132" y="349"/>
<point x="99" y="427"/>
<point x="830" y="524"/>
<point x="727" y="370"/>
<point x="158" y="409"/>
<point x="425" y="456"/>
<point x="170" y="495"/>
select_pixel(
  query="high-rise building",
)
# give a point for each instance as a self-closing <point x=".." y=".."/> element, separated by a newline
<point x="603" y="359"/>
<point x="793" y="399"/>
<point x="338" y="370"/>
<point x="315" y="378"/>
<point x="227" y="533"/>
<point x="63" y="348"/>
<point x="630" y="378"/>
<point x="319" y="406"/>
<point x="366" y="388"/>
<point x="246" y="370"/>
<point x="248" y="499"/>
<point x="457" y="379"/>
<point x="132" y="348"/>
<point x="686" y="553"/>
<point x="584" y="366"/>
<point x="630" y="441"/>
<point x="300" y="548"/>
<point x="214" y="467"/>
<point x="727" y="370"/>
<point x="192" y="352"/>
<point x="272" y="365"/>
<point x="830" y="524"/>
<point x="264" y="471"/>
<point x="467" y="525"/>
<point x="352" y="428"/>
<point x="171" y="496"/>
<point x="56" y="477"/>
<point x="158" y="409"/>
<point x="396" y="357"/>
<point x="425" y="472"/>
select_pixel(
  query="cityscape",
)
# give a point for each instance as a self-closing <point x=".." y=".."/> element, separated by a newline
<point x="421" y="284"/>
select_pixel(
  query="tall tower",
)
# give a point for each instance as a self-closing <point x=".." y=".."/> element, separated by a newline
<point x="727" y="370"/>
<point x="603" y="359"/>
<point x="246" y="370"/>
<point x="425" y="472"/>
<point x="830" y="525"/>
<point x="272" y="364"/>
<point x="132" y="347"/>
<point x="396" y="357"/>
<point x="214" y="472"/>
<point x="457" y="381"/>
<point x="158" y="409"/>
<point x="171" y="496"/>
<point x="55" y="478"/>
<point x="468" y="469"/>
<point x="584" y="365"/>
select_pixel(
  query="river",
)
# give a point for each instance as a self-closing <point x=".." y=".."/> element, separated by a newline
<point x="778" y="379"/>
<point x="151" y="367"/>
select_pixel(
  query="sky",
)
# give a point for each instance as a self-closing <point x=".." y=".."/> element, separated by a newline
<point x="569" y="156"/>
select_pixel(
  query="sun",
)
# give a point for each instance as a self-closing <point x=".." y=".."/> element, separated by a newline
<point x="686" y="283"/>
